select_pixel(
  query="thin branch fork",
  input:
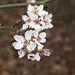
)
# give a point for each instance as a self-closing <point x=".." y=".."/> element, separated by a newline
<point x="8" y="27"/>
<point x="23" y="4"/>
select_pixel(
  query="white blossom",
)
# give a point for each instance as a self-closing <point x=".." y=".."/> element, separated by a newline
<point x="21" y="53"/>
<point x="45" y="52"/>
<point x="19" y="42"/>
<point x="31" y="56"/>
<point x="34" y="57"/>
<point x="46" y="22"/>
<point x="37" y="10"/>
<point x="31" y="1"/>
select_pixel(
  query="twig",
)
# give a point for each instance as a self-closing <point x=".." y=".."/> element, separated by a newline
<point x="8" y="27"/>
<point x="23" y="4"/>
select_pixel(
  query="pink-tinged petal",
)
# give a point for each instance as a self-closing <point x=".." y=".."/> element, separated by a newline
<point x="28" y="35"/>
<point x="36" y="34"/>
<point x="25" y="26"/>
<point x="31" y="1"/>
<point x="37" y="57"/>
<point x="36" y="21"/>
<point x="24" y="18"/>
<point x="42" y="13"/>
<point x="21" y="53"/>
<point x="30" y="8"/>
<point x="42" y="35"/>
<point x="19" y="38"/>
<point x="38" y="38"/>
<point x="32" y="24"/>
<point x="40" y="8"/>
<point x="31" y="56"/>
<point x="43" y="40"/>
<point x="45" y="52"/>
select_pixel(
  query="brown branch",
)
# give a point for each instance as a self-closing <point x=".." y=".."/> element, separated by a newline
<point x="23" y="4"/>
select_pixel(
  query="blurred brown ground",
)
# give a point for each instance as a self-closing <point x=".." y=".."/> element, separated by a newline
<point x="60" y="41"/>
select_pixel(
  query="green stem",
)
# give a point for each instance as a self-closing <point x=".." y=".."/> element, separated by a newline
<point x="23" y="4"/>
<point x="37" y="50"/>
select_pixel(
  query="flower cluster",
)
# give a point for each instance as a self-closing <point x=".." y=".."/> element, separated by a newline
<point x="31" y="43"/>
<point x="37" y="18"/>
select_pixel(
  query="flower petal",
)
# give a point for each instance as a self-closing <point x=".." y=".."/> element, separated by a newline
<point x="17" y="45"/>
<point x="46" y="53"/>
<point x="32" y="24"/>
<point x="40" y="46"/>
<point x="30" y="8"/>
<point x="31" y="46"/>
<point x="42" y="13"/>
<point x="43" y="40"/>
<point x="50" y="25"/>
<point x="35" y="34"/>
<point x="28" y="35"/>
<point x="25" y="26"/>
<point x="32" y="16"/>
<point x="42" y="35"/>
<point x="24" y="18"/>
<point x="49" y="16"/>
<point x="37" y="57"/>
<point x="19" y="38"/>
<point x="31" y="1"/>
<point x="40" y="8"/>
<point x="31" y="56"/>
<point x="37" y="27"/>
<point x="21" y="53"/>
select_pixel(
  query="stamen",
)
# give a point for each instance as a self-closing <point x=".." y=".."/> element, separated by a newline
<point x="36" y="21"/>
<point x="38" y="38"/>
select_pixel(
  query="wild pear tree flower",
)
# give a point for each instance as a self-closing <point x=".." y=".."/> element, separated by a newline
<point x="37" y="10"/>
<point x="21" y="53"/>
<point x="19" y="42"/>
<point x="31" y="1"/>
<point x="46" y="22"/>
<point x="45" y="52"/>
<point x="34" y="57"/>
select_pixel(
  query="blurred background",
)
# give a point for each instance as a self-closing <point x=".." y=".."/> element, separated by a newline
<point x="60" y="41"/>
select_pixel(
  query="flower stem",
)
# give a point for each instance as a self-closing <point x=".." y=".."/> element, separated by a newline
<point x="23" y="4"/>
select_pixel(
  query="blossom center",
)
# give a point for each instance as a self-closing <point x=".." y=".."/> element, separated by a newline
<point x="45" y="21"/>
<point x="28" y="20"/>
<point x="35" y="12"/>
<point x="25" y="41"/>
<point x="31" y="56"/>
<point x="38" y="38"/>
<point x="36" y="21"/>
